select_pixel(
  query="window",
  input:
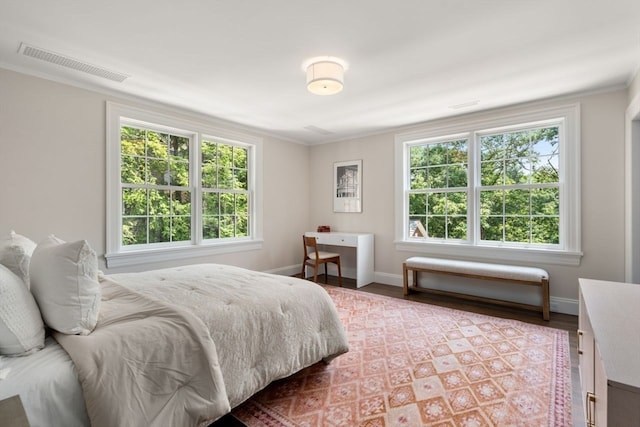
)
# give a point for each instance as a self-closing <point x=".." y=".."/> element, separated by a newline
<point x="506" y="188"/>
<point x="178" y="189"/>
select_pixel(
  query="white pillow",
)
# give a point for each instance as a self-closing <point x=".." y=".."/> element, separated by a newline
<point x="64" y="281"/>
<point x="21" y="327"/>
<point x="15" y="254"/>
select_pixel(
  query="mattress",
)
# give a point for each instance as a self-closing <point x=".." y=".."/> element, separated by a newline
<point x="48" y="386"/>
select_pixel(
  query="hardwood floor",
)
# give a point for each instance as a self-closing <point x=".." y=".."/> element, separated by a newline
<point x="559" y="321"/>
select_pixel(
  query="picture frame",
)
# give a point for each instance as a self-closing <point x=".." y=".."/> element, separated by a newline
<point x="347" y="186"/>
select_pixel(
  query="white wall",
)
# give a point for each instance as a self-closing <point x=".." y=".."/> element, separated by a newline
<point x="632" y="182"/>
<point x="634" y="88"/>
<point x="602" y="144"/>
<point x="52" y="172"/>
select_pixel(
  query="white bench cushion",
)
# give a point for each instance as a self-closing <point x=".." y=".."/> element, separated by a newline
<point x="499" y="271"/>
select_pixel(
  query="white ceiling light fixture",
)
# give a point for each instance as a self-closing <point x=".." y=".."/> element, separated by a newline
<point x="325" y="74"/>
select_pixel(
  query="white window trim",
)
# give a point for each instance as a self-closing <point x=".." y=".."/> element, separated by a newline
<point x="119" y="256"/>
<point x="569" y="254"/>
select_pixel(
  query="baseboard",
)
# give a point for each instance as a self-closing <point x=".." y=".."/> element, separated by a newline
<point x="558" y="304"/>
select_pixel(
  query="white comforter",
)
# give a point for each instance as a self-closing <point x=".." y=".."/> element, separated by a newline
<point x="264" y="327"/>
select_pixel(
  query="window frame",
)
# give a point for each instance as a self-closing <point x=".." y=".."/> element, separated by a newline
<point x="566" y="253"/>
<point x="118" y="255"/>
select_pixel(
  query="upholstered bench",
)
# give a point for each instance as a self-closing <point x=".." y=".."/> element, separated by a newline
<point x="478" y="270"/>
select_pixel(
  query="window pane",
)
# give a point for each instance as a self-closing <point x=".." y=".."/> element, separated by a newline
<point x="545" y="169"/>
<point x="159" y="172"/>
<point x="492" y="148"/>
<point x="545" y="201"/>
<point x="458" y="152"/>
<point x="132" y="141"/>
<point x="225" y="156"/>
<point x="240" y="179"/>
<point x="181" y="203"/>
<point x="225" y="178"/>
<point x="159" y="202"/>
<point x="134" y="231"/>
<point x="227" y="204"/>
<point x="179" y="173"/>
<point x="210" y="204"/>
<point x="517" y="171"/>
<point x="209" y="176"/>
<point x="209" y="152"/>
<point x="179" y="147"/>
<point x="437" y="154"/>
<point x="419" y="179"/>
<point x="456" y="203"/>
<point x="180" y="228"/>
<point x="437" y="177"/>
<point x="491" y="228"/>
<point x="545" y="141"/>
<point x="436" y="227"/>
<point x="132" y="170"/>
<point x="418" y="156"/>
<point x="436" y="204"/>
<point x="242" y="226"/>
<point x="545" y="230"/>
<point x="491" y="202"/>
<point x="457" y="176"/>
<point x="240" y="157"/>
<point x="159" y="229"/>
<point x="492" y="173"/>
<point x="457" y="227"/>
<point x="417" y="226"/>
<point x="516" y="202"/>
<point x="227" y="226"/>
<point x="417" y="204"/>
<point x="210" y="227"/>
<point x="242" y="205"/>
<point x="134" y="202"/>
<point x="157" y="145"/>
<point x="517" y="229"/>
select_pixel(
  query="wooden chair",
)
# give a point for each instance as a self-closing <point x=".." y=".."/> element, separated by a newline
<point x="314" y="258"/>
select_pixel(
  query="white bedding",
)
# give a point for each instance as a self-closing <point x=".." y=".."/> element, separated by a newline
<point x="264" y="327"/>
<point x="48" y="387"/>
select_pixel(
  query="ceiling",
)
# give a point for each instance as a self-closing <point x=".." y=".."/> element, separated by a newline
<point x="408" y="60"/>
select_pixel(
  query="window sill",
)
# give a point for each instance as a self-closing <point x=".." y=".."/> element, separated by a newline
<point x="138" y="257"/>
<point x="486" y="253"/>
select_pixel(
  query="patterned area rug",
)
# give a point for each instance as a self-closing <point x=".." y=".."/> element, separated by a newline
<point x="413" y="364"/>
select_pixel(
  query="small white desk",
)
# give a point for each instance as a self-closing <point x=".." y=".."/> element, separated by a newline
<point x="363" y="245"/>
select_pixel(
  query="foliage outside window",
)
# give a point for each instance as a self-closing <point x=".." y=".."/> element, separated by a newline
<point x="520" y="187"/>
<point x="156" y="196"/>
<point x="225" y="192"/>
<point x="493" y="187"/>
<point x="176" y="193"/>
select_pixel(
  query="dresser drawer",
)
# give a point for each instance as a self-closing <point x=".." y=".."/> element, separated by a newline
<point x="337" y="239"/>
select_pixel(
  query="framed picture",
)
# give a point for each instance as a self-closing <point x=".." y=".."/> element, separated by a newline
<point x="347" y="186"/>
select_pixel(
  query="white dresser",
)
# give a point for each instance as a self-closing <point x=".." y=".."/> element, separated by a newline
<point x="356" y="253"/>
<point x="609" y="352"/>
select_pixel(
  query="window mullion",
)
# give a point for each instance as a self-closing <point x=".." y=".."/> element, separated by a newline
<point x="473" y="190"/>
<point x="195" y="179"/>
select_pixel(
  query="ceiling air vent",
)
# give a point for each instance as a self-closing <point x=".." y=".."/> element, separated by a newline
<point x="318" y="130"/>
<point x="65" y="61"/>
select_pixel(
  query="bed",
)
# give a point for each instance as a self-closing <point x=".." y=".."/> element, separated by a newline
<point x="178" y="346"/>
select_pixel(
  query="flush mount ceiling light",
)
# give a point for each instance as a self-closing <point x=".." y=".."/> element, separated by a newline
<point x="325" y="75"/>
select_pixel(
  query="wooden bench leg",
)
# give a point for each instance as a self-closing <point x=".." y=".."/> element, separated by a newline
<point x="405" y="279"/>
<point x="545" y="299"/>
